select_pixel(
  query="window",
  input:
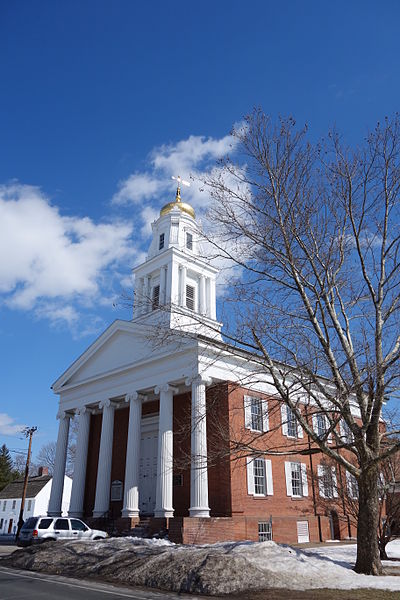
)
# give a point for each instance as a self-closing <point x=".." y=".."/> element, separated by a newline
<point x="61" y="525"/>
<point x="190" y="297"/>
<point x="161" y="241"/>
<point x="116" y="491"/>
<point x="296" y="479"/>
<point x="45" y="523"/>
<point x="1" y="523"/>
<point x="29" y="505"/>
<point x="14" y="504"/>
<point x="352" y="485"/>
<point x="297" y="488"/>
<point x="4" y="504"/>
<point x="156" y="297"/>
<point x="259" y="477"/>
<point x="256" y="413"/>
<point x="327" y="481"/>
<point x="345" y="432"/>
<point x="77" y="525"/>
<point x="31" y="523"/>
<point x="290" y="426"/>
<point x="189" y="241"/>
<point x="265" y="531"/>
<point x="321" y="426"/>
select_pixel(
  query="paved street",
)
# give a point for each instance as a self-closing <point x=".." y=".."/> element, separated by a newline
<point x="19" y="585"/>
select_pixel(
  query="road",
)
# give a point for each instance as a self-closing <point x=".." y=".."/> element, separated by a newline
<point x="21" y="585"/>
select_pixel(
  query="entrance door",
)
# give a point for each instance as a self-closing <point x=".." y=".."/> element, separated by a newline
<point x="335" y="527"/>
<point x="10" y="526"/>
<point x="148" y="466"/>
<point x="303" y="535"/>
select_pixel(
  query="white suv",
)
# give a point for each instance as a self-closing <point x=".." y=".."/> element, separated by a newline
<point x="41" y="529"/>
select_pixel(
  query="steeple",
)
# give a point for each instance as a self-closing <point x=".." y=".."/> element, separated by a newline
<point x="175" y="286"/>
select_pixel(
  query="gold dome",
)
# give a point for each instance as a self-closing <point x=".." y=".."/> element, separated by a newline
<point x="183" y="206"/>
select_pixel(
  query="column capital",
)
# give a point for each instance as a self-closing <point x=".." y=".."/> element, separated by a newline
<point x="83" y="410"/>
<point x="63" y="414"/>
<point x="105" y="403"/>
<point x="133" y="396"/>
<point x="165" y="387"/>
<point x="205" y="379"/>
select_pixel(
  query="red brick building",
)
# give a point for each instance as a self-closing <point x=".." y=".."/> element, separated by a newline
<point x="177" y="425"/>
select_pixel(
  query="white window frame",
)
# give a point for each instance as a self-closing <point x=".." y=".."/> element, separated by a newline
<point x="155" y="296"/>
<point x="14" y="504"/>
<point x="248" y="413"/>
<point x="269" y="486"/>
<point x="352" y="485"/>
<point x="345" y="432"/>
<point x="325" y="471"/>
<point x="189" y="241"/>
<point x="315" y="421"/>
<point x="29" y="505"/>
<point x="4" y="504"/>
<point x="161" y="241"/>
<point x="284" y="415"/>
<point x="289" y="480"/>
<point x="188" y="299"/>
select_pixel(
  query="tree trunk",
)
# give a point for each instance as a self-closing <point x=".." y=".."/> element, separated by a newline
<point x="368" y="558"/>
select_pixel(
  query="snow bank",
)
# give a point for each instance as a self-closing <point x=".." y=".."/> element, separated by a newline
<point x="209" y="569"/>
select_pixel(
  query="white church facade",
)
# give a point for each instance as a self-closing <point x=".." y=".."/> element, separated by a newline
<point x="156" y="395"/>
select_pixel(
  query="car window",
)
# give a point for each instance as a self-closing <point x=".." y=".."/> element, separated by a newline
<point x="45" y="523"/>
<point x="77" y="525"/>
<point x="30" y="523"/>
<point x="61" y="524"/>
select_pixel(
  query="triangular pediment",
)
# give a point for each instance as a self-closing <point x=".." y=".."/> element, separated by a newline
<point x="120" y="346"/>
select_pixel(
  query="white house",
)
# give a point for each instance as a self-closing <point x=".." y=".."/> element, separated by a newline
<point x="36" y="502"/>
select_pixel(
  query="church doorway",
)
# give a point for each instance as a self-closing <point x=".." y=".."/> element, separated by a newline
<point x="148" y="465"/>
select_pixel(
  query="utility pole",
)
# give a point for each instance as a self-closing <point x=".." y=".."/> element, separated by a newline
<point x="28" y="432"/>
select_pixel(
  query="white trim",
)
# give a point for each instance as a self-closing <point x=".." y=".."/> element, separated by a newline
<point x="265" y="415"/>
<point x="250" y="475"/>
<point x="321" y="487"/>
<point x="304" y="481"/>
<point x="334" y="482"/>
<point x="247" y="411"/>
<point x="288" y="476"/>
<point x="284" y="419"/>
<point x="268" y="477"/>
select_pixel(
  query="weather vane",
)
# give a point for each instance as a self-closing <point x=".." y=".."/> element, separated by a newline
<point x="178" y="190"/>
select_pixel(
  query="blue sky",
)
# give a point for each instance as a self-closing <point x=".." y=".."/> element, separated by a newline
<point x="101" y="102"/>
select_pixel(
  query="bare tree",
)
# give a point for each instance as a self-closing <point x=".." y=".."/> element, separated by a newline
<point x="314" y="230"/>
<point x="47" y="454"/>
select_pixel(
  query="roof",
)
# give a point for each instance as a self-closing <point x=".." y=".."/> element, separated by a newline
<point x="15" y="488"/>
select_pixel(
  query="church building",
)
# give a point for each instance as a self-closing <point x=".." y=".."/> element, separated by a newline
<point x="167" y="410"/>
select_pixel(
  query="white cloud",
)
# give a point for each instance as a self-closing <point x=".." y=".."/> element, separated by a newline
<point x="8" y="425"/>
<point x="48" y="256"/>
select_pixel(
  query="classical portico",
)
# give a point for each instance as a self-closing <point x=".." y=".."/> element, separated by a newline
<point x="128" y="368"/>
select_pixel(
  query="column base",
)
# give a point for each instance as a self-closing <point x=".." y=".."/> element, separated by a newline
<point x="75" y="514"/>
<point x="129" y="513"/>
<point x="163" y="514"/>
<point x="199" y="511"/>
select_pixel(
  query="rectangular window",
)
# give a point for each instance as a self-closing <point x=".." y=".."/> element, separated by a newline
<point x="4" y="504"/>
<point x="14" y="504"/>
<point x="352" y="485"/>
<point x="321" y="426"/>
<point x="327" y="482"/>
<point x="297" y="487"/>
<point x="29" y="505"/>
<point x="346" y="432"/>
<point x="189" y="241"/>
<point x="256" y="414"/>
<point x="291" y="423"/>
<point x="259" y="477"/>
<point x="161" y="241"/>
<point x="265" y="531"/>
<point x="156" y="297"/>
<point x="190" y="297"/>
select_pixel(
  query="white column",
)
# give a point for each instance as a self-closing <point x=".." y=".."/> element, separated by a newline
<point x="213" y="299"/>
<point x="198" y="471"/>
<point x="202" y="295"/>
<point x="183" y="286"/>
<point x="79" y="479"/>
<point x="102" y="501"/>
<point x="131" y="491"/>
<point x="142" y="297"/>
<point x="164" y="506"/>
<point x="57" y="485"/>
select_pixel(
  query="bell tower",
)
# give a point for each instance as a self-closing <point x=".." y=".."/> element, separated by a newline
<point x="175" y="286"/>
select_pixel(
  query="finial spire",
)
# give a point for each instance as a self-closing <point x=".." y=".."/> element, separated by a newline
<point x="178" y="189"/>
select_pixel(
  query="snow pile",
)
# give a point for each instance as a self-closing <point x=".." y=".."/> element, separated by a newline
<point x="209" y="569"/>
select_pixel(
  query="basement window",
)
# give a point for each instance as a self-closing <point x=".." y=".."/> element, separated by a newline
<point x="190" y="297"/>
<point x="264" y="531"/>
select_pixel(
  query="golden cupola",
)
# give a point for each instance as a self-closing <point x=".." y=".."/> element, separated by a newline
<point x="183" y="206"/>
